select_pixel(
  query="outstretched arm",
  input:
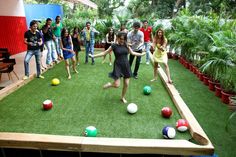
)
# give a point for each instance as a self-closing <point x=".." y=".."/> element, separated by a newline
<point x="101" y="54"/>
<point x="135" y="53"/>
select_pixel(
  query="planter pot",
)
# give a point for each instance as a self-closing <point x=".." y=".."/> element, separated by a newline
<point x="186" y="64"/>
<point x="212" y="84"/>
<point x="182" y="60"/>
<point x="200" y="76"/>
<point x="195" y="70"/>
<point x="205" y="80"/>
<point x="225" y="96"/>
<point x="217" y="91"/>
<point x="190" y="66"/>
<point x="175" y="56"/>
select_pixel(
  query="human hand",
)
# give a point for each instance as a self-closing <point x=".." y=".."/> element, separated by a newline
<point x="31" y="43"/>
<point x="143" y="53"/>
<point x="40" y="43"/>
<point x="71" y="51"/>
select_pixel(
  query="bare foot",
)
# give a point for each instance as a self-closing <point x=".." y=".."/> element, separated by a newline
<point x="76" y="71"/>
<point x="69" y="77"/>
<point x="153" y="80"/>
<point x="123" y="100"/>
<point x="107" y="85"/>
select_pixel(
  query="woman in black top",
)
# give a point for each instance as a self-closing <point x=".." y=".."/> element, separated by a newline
<point x="76" y="43"/>
<point x="121" y="64"/>
<point x="110" y="39"/>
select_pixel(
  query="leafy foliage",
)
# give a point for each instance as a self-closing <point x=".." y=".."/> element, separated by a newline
<point x="153" y="9"/>
<point x="222" y="8"/>
<point x="105" y="8"/>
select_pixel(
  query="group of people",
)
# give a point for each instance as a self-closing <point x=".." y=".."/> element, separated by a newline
<point x="61" y="45"/>
<point x="132" y="44"/>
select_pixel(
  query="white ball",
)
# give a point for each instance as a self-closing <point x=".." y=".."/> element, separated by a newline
<point x="132" y="108"/>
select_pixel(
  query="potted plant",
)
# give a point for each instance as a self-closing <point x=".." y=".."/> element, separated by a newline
<point x="228" y="88"/>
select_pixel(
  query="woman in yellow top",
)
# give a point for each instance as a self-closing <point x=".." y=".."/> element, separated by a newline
<point x="160" y="54"/>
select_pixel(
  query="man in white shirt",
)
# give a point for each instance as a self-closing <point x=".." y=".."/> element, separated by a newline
<point x="135" y="41"/>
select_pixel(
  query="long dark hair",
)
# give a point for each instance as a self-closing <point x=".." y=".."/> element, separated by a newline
<point x="75" y="29"/>
<point x="162" y="39"/>
<point x="63" y="36"/>
<point x="123" y="34"/>
<point x="111" y="36"/>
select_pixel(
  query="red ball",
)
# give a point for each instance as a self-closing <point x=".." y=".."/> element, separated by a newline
<point x="182" y="125"/>
<point x="47" y="104"/>
<point x="166" y="112"/>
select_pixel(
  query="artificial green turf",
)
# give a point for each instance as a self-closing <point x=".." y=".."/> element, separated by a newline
<point x="81" y="102"/>
<point x="208" y="109"/>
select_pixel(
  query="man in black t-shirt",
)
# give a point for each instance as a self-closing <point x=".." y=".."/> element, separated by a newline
<point x="33" y="40"/>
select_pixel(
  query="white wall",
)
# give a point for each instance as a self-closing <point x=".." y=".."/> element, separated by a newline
<point x="12" y="8"/>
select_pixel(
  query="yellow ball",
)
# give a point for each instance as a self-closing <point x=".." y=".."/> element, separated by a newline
<point x="55" y="82"/>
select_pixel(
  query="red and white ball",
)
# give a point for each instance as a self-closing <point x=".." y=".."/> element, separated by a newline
<point x="47" y="104"/>
<point x="182" y="125"/>
<point x="168" y="132"/>
<point x="166" y="112"/>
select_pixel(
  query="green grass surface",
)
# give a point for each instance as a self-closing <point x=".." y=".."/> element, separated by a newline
<point x="81" y="102"/>
<point x="208" y="109"/>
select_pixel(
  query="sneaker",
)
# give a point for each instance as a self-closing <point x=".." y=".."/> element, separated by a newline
<point x="110" y="64"/>
<point x="93" y="63"/>
<point x="25" y="77"/>
<point x="147" y="63"/>
<point x="56" y="61"/>
<point x="135" y="77"/>
<point x="40" y="76"/>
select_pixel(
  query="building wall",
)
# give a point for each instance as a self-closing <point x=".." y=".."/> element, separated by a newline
<point x="12" y="25"/>
<point x="42" y="12"/>
<point x="15" y="18"/>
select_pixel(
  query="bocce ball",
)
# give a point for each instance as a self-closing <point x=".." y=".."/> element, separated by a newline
<point x="166" y="112"/>
<point x="47" y="104"/>
<point x="147" y="90"/>
<point x="182" y="125"/>
<point x="132" y="108"/>
<point x="55" y="81"/>
<point x="168" y="132"/>
<point x="90" y="131"/>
